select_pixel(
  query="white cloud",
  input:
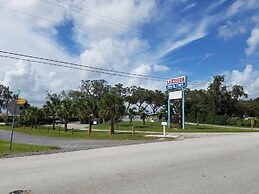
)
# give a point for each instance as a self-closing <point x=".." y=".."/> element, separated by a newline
<point x="215" y="5"/>
<point x="242" y="5"/>
<point x="240" y="78"/>
<point x="192" y="35"/>
<point x="24" y="33"/>
<point x="230" y="30"/>
<point x="249" y="79"/>
<point x="23" y="77"/>
<point x="158" y="68"/>
<point x="253" y="42"/>
<point x="113" y="12"/>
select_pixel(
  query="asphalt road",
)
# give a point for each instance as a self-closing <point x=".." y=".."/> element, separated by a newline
<point x="209" y="165"/>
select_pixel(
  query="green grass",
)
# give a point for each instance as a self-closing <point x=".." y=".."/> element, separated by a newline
<point x="96" y="135"/>
<point x="211" y="129"/>
<point x="124" y="125"/>
<point x="20" y="148"/>
<point x="156" y="127"/>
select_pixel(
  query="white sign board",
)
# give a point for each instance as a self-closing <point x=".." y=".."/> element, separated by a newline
<point x="175" y="95"/>
<point x="164" y="123"/>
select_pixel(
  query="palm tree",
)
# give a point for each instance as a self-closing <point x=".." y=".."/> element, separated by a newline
<point x="34" y="115"/>
<point x="65" y="110"/>
<point x="131" y="112"/>
<point x="111" y="108"/>
<point x="51" y="106"/>
<point x="143" y="114"/>
<point x="85" y="110"/>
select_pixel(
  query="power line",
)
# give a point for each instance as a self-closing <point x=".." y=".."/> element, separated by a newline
<point x="28" y="14"/>
<point x="51" y="62"/>
<point x="70" y="64"/>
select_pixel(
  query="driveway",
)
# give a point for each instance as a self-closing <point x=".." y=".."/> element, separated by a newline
<point x="65" y="144"/>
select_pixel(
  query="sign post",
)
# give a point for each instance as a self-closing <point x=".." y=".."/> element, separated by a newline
<point x="176" y="84"/>
<point x="183" y="116"/>
<point x="15" y="107"/>
<point x="164" y="124"/>
<point x="11" y="139"/>
<point x="169" y="113"/>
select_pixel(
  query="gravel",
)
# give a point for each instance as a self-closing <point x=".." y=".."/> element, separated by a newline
<point x="64" y="145"/>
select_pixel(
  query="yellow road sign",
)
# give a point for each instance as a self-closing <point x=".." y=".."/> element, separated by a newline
<point x="21" y="101"/>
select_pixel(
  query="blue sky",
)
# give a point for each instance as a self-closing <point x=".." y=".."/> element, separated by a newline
<point x="213" y="53"/>
<point x="166" y="38"/>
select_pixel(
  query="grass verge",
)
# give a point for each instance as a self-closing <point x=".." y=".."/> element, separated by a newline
<point x="156" y="127"/>
<point x="76" y="134"/>
<point x="20" y="148"/>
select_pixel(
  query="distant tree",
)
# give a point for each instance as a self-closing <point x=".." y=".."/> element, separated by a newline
<point x="5" y="97"/>
<point x="155" y="99"/>
<point x="238" y="92"/>
<point x="119" y="89"/>
<point x="131" y="113"/>
<point x="143" y="114"/>
<point x="219" y="96"/>
<point x="130" y="97"/>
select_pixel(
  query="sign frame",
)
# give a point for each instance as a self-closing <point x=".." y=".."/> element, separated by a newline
<point x="177" y="82"/>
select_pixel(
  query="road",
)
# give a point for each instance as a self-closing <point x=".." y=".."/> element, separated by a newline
<point x="210" y="165"/>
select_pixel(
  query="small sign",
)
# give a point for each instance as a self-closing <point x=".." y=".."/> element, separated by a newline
<point x="175" y="95"/>
<point x="164" y="123"/>
<point x="21" y="101"/>
<point x="14" y="108"/>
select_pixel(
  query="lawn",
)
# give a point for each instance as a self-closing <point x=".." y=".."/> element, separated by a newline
<point x="20" y="148"/>
<point x="76" y="134"/>
<point x="156" y="127"/>
<point x="123" y="126"/>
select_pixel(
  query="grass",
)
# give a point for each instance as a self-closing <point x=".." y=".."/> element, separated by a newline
<point x="96" y="135"/>
<point x="123" y="126"/>
<point x="20" y="148"/>
<point x="156" y="127"/>
<point x="211" y="129"/>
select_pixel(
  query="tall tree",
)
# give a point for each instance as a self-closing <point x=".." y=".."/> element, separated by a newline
<point x="52" y="105"/>
<point x="111" y="107"/>
<point x="65" y="110"/>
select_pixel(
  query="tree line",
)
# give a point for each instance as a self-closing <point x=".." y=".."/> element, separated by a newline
<point x="95" y="99"/>
<point x="218" y="104"/>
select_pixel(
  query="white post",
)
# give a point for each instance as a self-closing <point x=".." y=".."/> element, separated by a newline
<point x="164" y="130"/>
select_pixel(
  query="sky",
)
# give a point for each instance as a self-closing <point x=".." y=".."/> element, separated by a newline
<point x="161" y="38"/>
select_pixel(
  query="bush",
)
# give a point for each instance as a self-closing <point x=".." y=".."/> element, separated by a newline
<point x="246" y="123"/>
<point x="2" y="119"/>
<point x="232" y="121"/>
<point x="217" y="119"/>
<point x="257" y="122"/>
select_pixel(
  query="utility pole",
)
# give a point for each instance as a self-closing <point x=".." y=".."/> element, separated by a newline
<point x="14" y="116"/>
<point x="7" y="101"/>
